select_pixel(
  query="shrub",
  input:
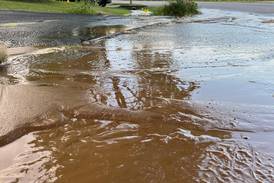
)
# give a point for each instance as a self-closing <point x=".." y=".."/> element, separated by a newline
<point x="3" y="53"/>
<point x="179" y="8"/>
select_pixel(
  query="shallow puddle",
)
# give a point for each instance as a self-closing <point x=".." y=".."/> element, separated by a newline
<point x="179" y="103"/>
<point x="97" y="31"/>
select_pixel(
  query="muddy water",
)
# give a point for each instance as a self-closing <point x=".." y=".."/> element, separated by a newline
<point x="179" y="103"/>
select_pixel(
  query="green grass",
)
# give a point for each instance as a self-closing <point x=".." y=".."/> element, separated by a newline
<point x="60" y="7"/>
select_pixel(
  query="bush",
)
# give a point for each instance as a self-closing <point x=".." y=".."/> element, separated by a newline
<point x="3" y="53"/>
<point x="179" y="8"/>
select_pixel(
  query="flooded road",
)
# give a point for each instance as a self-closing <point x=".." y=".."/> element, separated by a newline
<point x="182" y="102"/>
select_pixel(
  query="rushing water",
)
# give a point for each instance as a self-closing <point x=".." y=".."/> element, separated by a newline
<point x="187" y="102"/>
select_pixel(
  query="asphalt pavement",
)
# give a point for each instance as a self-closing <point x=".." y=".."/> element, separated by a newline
<point x="255" y="7"/>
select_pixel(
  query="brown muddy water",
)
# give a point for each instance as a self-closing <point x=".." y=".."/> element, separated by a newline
<point x="187" y="102"/>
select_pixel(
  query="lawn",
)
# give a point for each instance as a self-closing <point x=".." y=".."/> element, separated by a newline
<point x="60" y="7"/>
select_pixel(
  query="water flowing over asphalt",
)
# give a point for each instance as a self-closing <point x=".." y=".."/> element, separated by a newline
<point x="190" y="101"/>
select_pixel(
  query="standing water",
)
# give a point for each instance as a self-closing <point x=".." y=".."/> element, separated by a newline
<point x="186" y="102"/>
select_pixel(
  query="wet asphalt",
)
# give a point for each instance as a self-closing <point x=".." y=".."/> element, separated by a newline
<point x="28" y="29"/>
<point x="19" y="29"/>
<point x="22" y="16"/>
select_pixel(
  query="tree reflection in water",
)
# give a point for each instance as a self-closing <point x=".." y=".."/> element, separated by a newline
<point x="177" y="149"/>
